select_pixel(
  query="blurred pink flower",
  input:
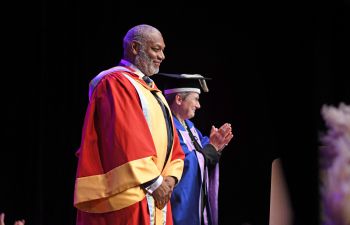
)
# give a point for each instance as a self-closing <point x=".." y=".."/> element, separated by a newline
<point x="335" y="165"/>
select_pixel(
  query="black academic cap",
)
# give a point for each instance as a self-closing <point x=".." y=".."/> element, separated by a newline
<point x="175" y="83"/>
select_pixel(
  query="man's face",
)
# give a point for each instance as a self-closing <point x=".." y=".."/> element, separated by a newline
<point x="151" y="55"/>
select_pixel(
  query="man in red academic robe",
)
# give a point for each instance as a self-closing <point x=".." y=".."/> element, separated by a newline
<point x="130" y="158"/>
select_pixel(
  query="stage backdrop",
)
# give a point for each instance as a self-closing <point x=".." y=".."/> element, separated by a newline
<point x="271" y="74"/>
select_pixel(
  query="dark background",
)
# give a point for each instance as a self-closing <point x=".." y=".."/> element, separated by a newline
<point x="272" y="69"/>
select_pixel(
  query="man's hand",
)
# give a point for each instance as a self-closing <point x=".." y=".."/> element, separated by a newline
<point x="171" y="182"/>
<point x="163" y="193"/>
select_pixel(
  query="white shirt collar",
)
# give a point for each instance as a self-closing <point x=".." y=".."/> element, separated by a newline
<point x="138" y="72"/>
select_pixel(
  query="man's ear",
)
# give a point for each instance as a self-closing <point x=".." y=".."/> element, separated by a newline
<point x="135" y="47"/>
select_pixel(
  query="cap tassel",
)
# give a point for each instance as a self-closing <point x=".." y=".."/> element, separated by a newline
<point x="203" y="85"/>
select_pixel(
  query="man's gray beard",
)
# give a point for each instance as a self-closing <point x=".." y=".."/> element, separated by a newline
<point x="144" y="63"/>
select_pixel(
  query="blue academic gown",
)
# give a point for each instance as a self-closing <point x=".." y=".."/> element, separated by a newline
<point x="185" y="200"/>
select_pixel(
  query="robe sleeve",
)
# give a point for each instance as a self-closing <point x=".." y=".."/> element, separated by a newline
<point x="210" y="154"/>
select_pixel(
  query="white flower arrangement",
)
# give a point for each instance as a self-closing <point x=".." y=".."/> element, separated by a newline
<point x="335" y="166"/>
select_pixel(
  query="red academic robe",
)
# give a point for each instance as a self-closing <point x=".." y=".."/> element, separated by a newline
<point x="123" y="145"/>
